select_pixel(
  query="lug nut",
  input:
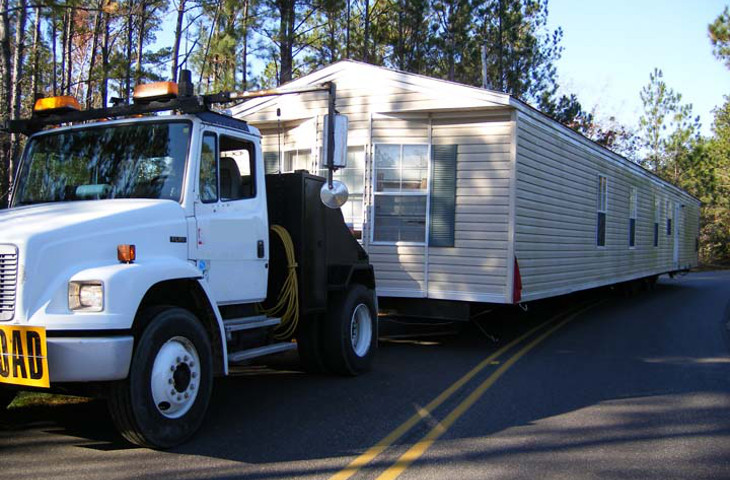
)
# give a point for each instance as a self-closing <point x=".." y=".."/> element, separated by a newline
<point x="186" y="395"/>
<point x="178" y="359"/>
<point x="169" y="380"/>
<point x="172" y="368"/>
<point x="172" y="392"/>
<point x="185" y="358"/>
<point x="193" y="374"/>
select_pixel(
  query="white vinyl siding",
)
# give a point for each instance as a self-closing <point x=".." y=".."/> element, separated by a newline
<point x="476" y="267"/>
<point x="526" y="187"/>
<point x="557" y="191"/>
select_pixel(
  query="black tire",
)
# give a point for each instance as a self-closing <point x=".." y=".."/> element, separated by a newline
<point x="341" y="356"/>
<point x="131" y="402"/>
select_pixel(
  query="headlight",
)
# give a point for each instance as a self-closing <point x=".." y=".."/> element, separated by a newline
<point x="86" y="296"/>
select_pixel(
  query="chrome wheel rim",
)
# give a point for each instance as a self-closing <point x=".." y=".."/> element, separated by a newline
<point x="175" y="377"/>
<point x="361" y="330"/>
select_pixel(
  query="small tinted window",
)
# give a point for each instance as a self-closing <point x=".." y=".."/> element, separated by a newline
<point x="208" y="169"/>
<point x="237" y="169"/>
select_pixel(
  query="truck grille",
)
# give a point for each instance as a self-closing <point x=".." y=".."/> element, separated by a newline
<point x="8" y="281"/>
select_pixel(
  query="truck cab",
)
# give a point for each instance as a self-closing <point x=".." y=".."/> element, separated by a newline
<point x="142" y="256"/>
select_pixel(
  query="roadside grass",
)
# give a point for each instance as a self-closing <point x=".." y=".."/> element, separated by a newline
<point x="39" y="399"/>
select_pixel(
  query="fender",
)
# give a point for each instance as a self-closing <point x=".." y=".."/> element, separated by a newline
<point x="124" y="287"/>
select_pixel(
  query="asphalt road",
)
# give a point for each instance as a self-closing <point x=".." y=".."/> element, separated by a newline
<point x="589" y="386"/>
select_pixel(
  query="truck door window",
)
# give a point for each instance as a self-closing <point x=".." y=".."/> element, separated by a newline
<point x="237" y="168"/>
<point x="208" y="169"/>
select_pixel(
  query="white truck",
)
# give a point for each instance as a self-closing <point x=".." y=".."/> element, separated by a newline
<point x="145" y="254"/>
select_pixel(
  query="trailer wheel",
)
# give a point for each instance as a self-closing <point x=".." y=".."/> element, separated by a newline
<point x="350" y="334"/>
<point x="163" y="400"/>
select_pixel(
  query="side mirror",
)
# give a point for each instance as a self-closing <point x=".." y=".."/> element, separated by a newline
<point x="340" y="148"/>
<point x="334" y="196"/>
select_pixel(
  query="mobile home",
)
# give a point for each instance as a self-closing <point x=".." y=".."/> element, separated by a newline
<point x="463" y="194"/>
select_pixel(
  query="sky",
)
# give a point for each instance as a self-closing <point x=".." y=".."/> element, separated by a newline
<point x="611" y="47"/>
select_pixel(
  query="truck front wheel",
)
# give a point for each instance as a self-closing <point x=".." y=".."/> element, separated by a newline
<point x="350" y="333"/>
<point x="163" y="400"/>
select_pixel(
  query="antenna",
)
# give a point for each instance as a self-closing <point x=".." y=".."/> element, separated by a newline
<point x="278" y="122"/>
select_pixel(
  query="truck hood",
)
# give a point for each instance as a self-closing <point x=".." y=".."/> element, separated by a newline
<point x="56" y="241"/>
<point x="17" y="225"/>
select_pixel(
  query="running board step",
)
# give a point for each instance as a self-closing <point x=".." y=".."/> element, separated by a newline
<point x="248" y="323"/>
<point x="243" y="355"/>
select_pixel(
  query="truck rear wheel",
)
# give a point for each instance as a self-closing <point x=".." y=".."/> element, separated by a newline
<point x="163" y="400"/>
<point x="350" y="333"/>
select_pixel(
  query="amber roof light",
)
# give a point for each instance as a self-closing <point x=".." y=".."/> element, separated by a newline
<point x="155" y="91"/>
<point x="56" y="104"/>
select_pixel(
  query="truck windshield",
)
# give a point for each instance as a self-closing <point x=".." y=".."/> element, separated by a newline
<point x="140" y="160"/>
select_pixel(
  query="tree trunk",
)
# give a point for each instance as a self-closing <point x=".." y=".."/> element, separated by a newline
<point x="140" y="42"/>
<point x="128" y="79"/>
<point x="36" y="41"/>
<point x="64" y="44"/>
<point x="244" y="59"/>
<point x="5" y="87"/>
<point x="69" y="48"/>
<point x="54" y="35"/>
<point x="286" y="36"/>
<point x="347" y="31"/>
<point x="400" y="43"/>
<point x="92" y="59"/>
<point x="16" y="85"/>
<point x="366" y="33"/>
<point x="178" y="33"/>
<point x="105" y="61"/>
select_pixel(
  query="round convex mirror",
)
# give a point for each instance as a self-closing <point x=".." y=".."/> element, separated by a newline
<point x="334" y="196"/>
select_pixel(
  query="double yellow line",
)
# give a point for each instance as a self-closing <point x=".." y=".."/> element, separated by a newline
<point x="418" y="449"/>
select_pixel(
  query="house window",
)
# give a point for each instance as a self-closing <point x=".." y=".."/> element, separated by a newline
<point x="602" y="209"/>
<point x="354" y="177"/>
<point x="657" y="217"/>
<point x="633" y="210"/>
<point x="297" y="160"/>
<point x="669" y="217"/>
<point x="400" y="196"/>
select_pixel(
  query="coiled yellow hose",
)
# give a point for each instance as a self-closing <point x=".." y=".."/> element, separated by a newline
<point x="287" y="303"/>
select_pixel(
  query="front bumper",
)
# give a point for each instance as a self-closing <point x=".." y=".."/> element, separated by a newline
<point x="89" y="359"/>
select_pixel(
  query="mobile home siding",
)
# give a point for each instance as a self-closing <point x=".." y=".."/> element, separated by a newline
<point x="475" y="268"/>
<point x="556" y="214"/>
<point x="526" y="189"/>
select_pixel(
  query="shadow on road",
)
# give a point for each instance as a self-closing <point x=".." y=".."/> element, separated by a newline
<point x="656" y="364"/>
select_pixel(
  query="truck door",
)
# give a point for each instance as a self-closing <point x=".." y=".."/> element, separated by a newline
<point x="231" y="219"/>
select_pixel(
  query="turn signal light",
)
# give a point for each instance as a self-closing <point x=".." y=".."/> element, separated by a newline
<point x="56" y="104"/>
<point x="155" y="91"/>
<point x="126" y="253"/>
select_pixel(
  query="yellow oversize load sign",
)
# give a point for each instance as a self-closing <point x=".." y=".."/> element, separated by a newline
<point x="23" y="356"/>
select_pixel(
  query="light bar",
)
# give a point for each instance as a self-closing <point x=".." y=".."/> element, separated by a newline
<point x="56" y="104"/>
<point x="155" y="91"/>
